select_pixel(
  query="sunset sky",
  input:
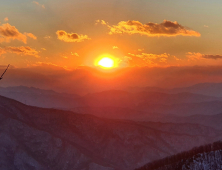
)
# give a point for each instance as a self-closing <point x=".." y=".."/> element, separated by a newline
<point x="155" y="41"/>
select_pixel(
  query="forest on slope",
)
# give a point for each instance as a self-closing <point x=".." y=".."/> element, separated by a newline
<point x="206" y="157"/>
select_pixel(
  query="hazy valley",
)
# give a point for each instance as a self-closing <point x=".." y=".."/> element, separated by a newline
<point x="108" y="130"/>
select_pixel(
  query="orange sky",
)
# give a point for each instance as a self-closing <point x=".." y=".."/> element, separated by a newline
<point x="138" y="34"/>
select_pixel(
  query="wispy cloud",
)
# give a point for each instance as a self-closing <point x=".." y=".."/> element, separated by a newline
<point x="2" y="51"/>
<point x="166" y="28"/>
<point x="140" y="50"/>
<point x="49" y="64"/>
<point x="115" y="47"/>
<point x="194" y="56"/>
<point x="47" y="37"/>
<point x="20" y="50"/>
<point x="151" y="58"/>
<point x="76" y="54"/>
<point x="31" y="35"/>
<point x="37" y="3"/>
<point x="127" y="58"/>
<point x="6" y="19"/>
<point x="71" y="37"/>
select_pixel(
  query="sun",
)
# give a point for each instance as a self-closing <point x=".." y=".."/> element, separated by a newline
<point x="106" y="62"/>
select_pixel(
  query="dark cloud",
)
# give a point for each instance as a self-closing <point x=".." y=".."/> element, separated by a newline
<point x="199" y="56"/>
<point x="71" y="37"/>
<point x="215" y="57"/>
<point x="166" y="28"/>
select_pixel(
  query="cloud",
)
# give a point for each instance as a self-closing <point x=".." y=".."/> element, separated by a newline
<point x="127" y="58"/>
<point x="177" y="59"/>
<point x="47" y="37"/>
<point x="37" y="3"/>
<point x="31" y="35"/>
<point x="2" y="51"/>
<point x="215" y="57"/>
<point x="140" y="50"/>
<point x="166" y="28"/>
<point x="20" y="51"/>
<point x="71" y="37"/>
<point x="63" y="56"/>
<point x="151" y="58"/>
<point x="51" y="65"/>
<point x="6" y="19"/>
<point x="76" y="54"/>
<point x="194" y="56"/>
<point x="199" y="56"/>
<point x="101" y="22"/>
<point x="8" y="33"/>
<point x="115" y="47"/>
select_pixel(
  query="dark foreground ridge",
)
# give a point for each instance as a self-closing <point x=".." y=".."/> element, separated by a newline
<point x="207" y="157"/>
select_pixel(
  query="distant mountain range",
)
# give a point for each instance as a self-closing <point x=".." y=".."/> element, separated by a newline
<point x="119" y="104"/>
<point x="206" y="120"/>
<point x="117" y="98"/>
<point x="147" y="105"/>
<point x="33" y="138"/>
<point x="209" y="89"/>
<point x="39" y="97"/>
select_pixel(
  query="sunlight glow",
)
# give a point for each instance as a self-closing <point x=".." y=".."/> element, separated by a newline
<point x="106" y="62"/>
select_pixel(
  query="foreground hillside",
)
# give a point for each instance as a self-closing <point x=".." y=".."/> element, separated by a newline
<point x="34" y="138"/>
<point x="208" y="157"/>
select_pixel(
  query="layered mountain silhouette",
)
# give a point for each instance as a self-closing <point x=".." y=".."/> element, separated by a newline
<point x="207" y="120"/>
<point x="45" y="139"/>
<point x="119" y="104"/>
<point x="117" y="98"/>
<point x="209" y="89"/>
<point x="39" y="97"/>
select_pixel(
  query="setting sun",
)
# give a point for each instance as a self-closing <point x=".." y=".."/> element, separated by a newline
<point x="106" y="62"/>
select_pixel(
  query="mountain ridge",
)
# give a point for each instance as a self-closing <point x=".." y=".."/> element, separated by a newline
<point x="116" y="144"/>
<point x="202" y="157"/>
